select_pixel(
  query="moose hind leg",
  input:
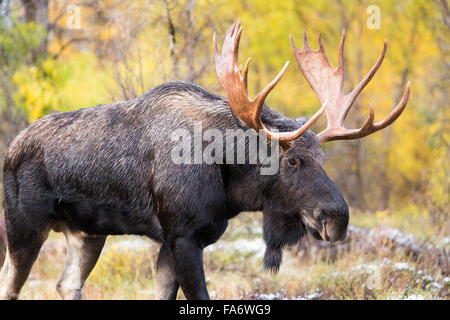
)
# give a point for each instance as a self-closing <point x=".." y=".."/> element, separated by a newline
<point x="166" y="280"/>
<point x="22" y="251"/>
<point x="83" y="252"/>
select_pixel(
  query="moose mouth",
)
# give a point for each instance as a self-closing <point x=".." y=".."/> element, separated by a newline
<point x="318" y="235"/>
<point x="324" y="233"/>
<point x="313" y="228"/>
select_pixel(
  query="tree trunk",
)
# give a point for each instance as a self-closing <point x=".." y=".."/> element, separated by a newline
<point x="37" y="11"/>
<point x="172" y="43"/>
<point x="190" y="45"/>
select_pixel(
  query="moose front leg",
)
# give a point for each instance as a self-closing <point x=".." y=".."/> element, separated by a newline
<point x="188" y="265"/>
<point x="166" y="279"/>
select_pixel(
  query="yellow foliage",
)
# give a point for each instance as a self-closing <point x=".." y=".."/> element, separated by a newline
<point x="60" y="85"/>
<point x="34" y="94"/>
<point x="381" y="214"/>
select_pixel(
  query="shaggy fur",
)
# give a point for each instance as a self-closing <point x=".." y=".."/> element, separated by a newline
<point x="107" y="170"/>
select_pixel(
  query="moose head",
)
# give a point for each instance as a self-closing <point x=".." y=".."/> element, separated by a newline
<point x="304" y="186"/>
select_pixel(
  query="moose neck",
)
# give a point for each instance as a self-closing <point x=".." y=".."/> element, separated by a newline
<point x="246" y="188"/>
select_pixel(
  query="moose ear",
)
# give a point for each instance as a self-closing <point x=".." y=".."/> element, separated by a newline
<point x="280" y="229"/>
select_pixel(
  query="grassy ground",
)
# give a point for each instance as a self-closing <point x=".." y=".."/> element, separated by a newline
<point x="387" y="255"/>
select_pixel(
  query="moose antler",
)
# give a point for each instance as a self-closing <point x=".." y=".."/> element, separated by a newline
<point x="234" y="81"/>
<point x="327" y="83"/>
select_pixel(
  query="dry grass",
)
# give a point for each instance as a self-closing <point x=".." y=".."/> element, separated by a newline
<point x="376" y="261"/>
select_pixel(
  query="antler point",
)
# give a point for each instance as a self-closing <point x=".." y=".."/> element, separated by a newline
<point x="320" y="42"/>
<point x="291" y="40"/>
<point x="216" y="50"/>
<point x="305" y="39"/>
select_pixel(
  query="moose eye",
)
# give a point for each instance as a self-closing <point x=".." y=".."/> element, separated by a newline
<point x="294" y="162"/>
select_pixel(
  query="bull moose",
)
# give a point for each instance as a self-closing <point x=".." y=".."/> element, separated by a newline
<point x="107" y="170"/>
